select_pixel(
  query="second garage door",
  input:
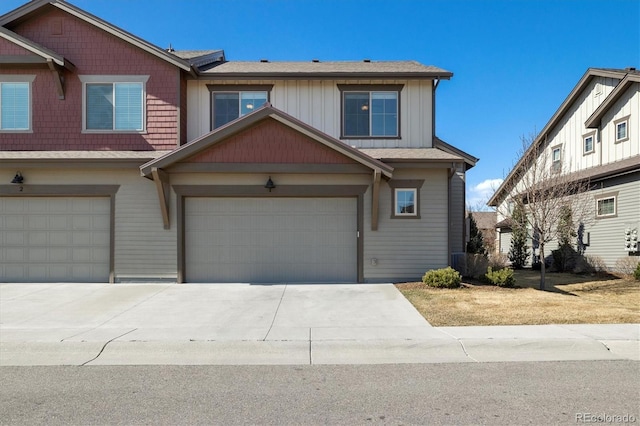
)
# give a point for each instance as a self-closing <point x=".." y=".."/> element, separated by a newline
<point x="271" y="240"/>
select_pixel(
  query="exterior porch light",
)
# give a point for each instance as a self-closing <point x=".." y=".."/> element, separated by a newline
<point x="270" y="185"/>
<point x="18" y="179"/>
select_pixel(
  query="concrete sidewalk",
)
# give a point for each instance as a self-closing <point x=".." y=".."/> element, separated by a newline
<point x="143" y="324"/>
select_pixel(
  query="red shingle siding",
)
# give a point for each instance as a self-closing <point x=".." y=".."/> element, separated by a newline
<point x="8" y="48"/>
<point x="57" y="124"/>
<point x="270" y="142"/>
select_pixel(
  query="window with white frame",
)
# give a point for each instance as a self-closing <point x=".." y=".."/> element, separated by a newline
<point x="588" y="144"/>
<point x="114" y="103"/>
<point x="405" y="198"/>
<point x="405" y="201"/>
<point x="229" y="102"/>
<point x="622" y="130"/>
<point x="370" y="111"/>
<point x="556" y="157"/>
<point x="15" y="103"/>
<point x="606" y="206"/>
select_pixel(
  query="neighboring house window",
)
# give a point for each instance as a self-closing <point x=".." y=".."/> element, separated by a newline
<point x="622" y="129"/>
<point x="556" y="157"/>
<point x="15" y="103"/>
<point x="405" y="198"/>
<point x="114" y="103"/>
<point x="606" y="206"/>
<point x="370" y="111"/>
<point x="229" y="102"/>
<point x="588" y="144"/>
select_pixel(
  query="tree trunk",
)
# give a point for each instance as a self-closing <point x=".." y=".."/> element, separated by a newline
<point x="542" y="267"/>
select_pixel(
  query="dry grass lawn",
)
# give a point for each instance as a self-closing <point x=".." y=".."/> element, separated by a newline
<point x="569" y="299"/>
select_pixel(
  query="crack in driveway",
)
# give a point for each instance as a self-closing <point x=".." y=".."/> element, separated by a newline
<point x="275" y="313"/>
<point x="105" y="345"/>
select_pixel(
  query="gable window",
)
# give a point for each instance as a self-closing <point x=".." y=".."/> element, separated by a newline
<point x="15" y="103"/>
<point x="405" y="198"/>
<point x="556" y="156"/>
<point x="606" y="206"/>
<point x="588" y="144"/>
<point x="114" y="103"/>
<point x="229" y="102"/>
<point x="622" y="129"/>
<point x="370" y="111"/>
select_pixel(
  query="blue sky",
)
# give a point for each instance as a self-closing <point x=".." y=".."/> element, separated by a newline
<point x="514" y="62"/>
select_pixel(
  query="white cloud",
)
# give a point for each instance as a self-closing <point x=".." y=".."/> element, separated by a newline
<point x="478" y="195"/>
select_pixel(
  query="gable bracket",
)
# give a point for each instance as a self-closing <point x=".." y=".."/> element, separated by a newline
<point x="58" y="76"/>
<point x="375" y="199"/>
<point x="161" y="179"/>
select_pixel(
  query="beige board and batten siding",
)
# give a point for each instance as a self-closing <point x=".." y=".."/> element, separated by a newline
<point x="317" y="103"/>
<point x="404" y="249"/>
<point x="627" y="106"/>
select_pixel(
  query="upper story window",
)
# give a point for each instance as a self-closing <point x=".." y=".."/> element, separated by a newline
<point x="230" y="101"/>
<point x="556" y="157"/>
<point x="114" y="103"/>
<point x="15" y="103"/>
<point x="370" y="111"/>
<point x="588" y="144"/>
<point x="622" y="129"/>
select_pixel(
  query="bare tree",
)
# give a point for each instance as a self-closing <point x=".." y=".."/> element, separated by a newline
<point x="545" y="186"/>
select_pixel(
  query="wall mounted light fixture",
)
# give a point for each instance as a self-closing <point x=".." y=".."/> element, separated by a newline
<point x="270" y="185"/>
<point x="18" y="179"/>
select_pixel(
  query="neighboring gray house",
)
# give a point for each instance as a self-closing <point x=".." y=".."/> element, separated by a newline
<point x="594" y="134"/>
<point x="149" y="164"/>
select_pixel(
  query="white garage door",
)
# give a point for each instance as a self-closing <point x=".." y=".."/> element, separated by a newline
<point x="54" y="239"/>
<point x="271" y="240"/>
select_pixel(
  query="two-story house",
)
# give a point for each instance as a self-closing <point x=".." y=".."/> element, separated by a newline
<point x="594" y="136"/>
<point x="122" y="161"/>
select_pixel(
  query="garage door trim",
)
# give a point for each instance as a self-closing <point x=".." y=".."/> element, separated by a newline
<point x="26" y="190"/>
<point x="256" y="191"/>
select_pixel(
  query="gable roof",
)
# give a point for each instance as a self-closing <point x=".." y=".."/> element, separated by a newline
<point x="316" y="69"/>
<point x="632" y="77"/>
<point x="39" y="6"/>
<point x="561" y="111"/>
<point x="43" y="52"/>
<point x="266" y="111"/>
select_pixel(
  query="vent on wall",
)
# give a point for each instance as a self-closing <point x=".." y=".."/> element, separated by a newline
<point x="56" y="27"/>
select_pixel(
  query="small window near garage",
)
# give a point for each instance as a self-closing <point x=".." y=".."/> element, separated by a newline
<point x="588" y="144"/>
<point x="606" y="206"/>
<point x="405" y="202"/>
<point x="405" y="198"/>
<point x="622" y="129"/>
<point x="229" y="102"/>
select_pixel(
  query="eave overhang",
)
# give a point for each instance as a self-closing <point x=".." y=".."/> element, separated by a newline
<point x="621" y="88"/>
<point x="242" y="123"/>
<point x="562" y="110"/>
<point x="36" y="6"/>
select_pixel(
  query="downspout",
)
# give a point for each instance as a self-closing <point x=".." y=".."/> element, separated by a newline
<point x="434" y="84"/>
<point x="451" y="171"/>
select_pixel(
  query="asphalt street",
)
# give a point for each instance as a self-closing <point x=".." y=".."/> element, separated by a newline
<point x="571" y="392"/>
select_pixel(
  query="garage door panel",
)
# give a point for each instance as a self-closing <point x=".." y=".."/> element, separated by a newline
<point x="271" y="240"/>
<point x="49" y="239"/>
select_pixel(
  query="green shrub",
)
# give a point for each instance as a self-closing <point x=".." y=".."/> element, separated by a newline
<point x="500" y="277"/>
<point x="636" y="273"/>
<point x="446" y="278"/>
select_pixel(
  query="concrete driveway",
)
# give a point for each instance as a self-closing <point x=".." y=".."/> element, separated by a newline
<point x="214" y="324"/>
<point x="207" y="312"/>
